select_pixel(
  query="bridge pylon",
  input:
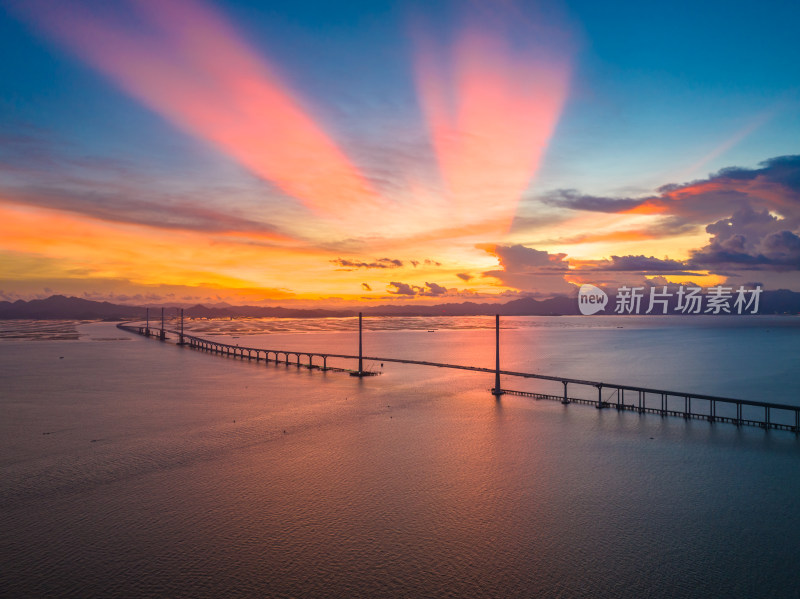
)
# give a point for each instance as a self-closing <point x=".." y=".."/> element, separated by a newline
<point x="361" y="372"/>
<point x="497" y="391"/>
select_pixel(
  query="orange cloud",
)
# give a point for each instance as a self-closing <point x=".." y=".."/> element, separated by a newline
<point x="79" y="245"/>
<point x="63" y="246"/>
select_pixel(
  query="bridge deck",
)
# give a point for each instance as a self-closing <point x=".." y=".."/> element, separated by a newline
<point x="718" y="409"/>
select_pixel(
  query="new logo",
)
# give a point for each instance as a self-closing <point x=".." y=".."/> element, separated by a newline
<point x="591" y="299"/>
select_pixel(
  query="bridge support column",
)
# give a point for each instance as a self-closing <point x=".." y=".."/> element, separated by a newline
<point x="600" y="405"/>
<point x="565" y="401"/>
<point x="181" y="340"/>
<point x="360" y="372"/>
<point x="497" y="391"/>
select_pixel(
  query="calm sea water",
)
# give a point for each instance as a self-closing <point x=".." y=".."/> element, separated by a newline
<point x="133" y="468"/>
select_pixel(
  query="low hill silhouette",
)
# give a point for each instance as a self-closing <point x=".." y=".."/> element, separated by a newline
<point x="59" y="307"/>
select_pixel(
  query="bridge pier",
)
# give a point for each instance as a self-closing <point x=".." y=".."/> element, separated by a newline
<point x="565" y="401"/>
<point x="497" y="391"/>
<point x="360" y="372"/>
<point x="181" y="340"/>
<point x="163" y="334"/>
<point x="600" y="405"/>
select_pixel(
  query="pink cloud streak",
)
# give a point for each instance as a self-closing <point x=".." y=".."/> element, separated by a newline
<point x="191" y="67"/>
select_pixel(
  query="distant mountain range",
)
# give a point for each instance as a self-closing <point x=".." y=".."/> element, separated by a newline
<point x="58" y="307"/>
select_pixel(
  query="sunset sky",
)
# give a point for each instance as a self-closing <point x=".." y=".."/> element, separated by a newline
<point x="297" y="152"/>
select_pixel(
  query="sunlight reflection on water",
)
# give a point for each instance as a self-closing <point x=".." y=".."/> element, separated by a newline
<point x="145" y="469"/>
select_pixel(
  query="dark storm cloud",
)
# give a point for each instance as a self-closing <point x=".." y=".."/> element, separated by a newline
<point x="379" y="263"/>
<point x="775" y="185"/>
<point x="432" y="289"/>
<point x="783" y="170"/>
<point x="574" y="200"/>
<point x="519" y="258"/>
<point x="427" y="290"/>
<point x="749" y="239"/>
<point x="529" y="269"/>
<point x="398" y="288"/>
<point x="751" y="214"/>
